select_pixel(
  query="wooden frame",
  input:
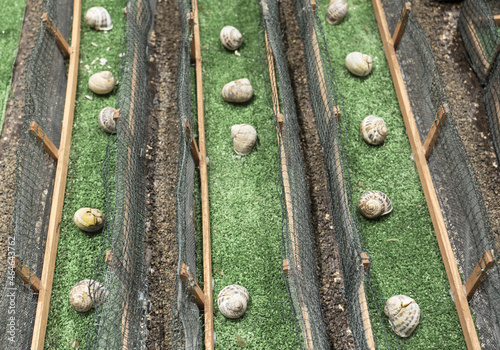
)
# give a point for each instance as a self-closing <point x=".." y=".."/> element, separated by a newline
<point x="478" y="274"/>
<point x="46" y="142"/>
<point x="52" y="29"/>
<point x="401" y="25"/>
<point x="188" y="280"/>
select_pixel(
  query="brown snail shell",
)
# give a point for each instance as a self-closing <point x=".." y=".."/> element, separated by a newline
<point x="237" y="91"/>
<point x="337" y="9"/>
<point x="244" y="137"/>
<point x="373" y="130"/>
<point x="403" y="313"/>
<point x="358" y="64"/>
<point x="374" y="204"/>
<point x="98" y="18"/>
<point x="88" y="219"/>
<point x="107" y="119"/>
<point x="79" y="297"/>
<point x="231" y="38"/>
<point x="102" y="83"/>
<point x="233" y="300"/>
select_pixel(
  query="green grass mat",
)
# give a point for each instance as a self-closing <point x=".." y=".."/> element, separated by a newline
<point x="245" y="209"/>
<point x="403" y="246"/>
<point x="77" y="251"/>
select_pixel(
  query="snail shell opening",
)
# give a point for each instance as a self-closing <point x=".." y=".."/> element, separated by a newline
<point x="88" y="219"/>
<point x="373" y="130"/>
<point x="237" y="91"/>
<point x="231" y="38"/>
<point x="403" y="313"/>
<point x="232" y="301"/>
<point x="107" y="119"/>
<point x="358" y="64"/>
<point x="102" y="83"/>
<point x="337" y="10"/>
<point x="244" y="138"/>
<point x="374" y="204"/>
<point x="98" y="18"/>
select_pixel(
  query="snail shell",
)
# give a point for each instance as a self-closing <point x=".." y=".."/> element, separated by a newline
<point x="79" y="296"/>
<point x="88" y="220"/>
<point x="98" y="18"/>
<point x="232" y="301"/>
<point x="237" y="91"/>
<point x="107" y="120"/>
<point x="337" y="9"/>
<point x="374" y="204"/>
<point x="403" y="313"/>
<point x="244" y="137"/>
<point x="102" y="83"/>
<point x="358" y="64"/>
<point x="231" y="38"/>
<point x="373" y="130"/>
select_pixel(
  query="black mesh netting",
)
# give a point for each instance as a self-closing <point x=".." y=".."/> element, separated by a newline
<point x="491" y="98"/>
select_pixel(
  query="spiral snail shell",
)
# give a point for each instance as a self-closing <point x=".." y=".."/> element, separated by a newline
<point x="337" y="9"/>
<point x="244" y="137"/>
<point x="358" y="64"/>
<point x="107" y="119"/>
<point x="374" y="204"/>
<point x="102" y="83"/>
<point x="231" y="38"/>
<point x="403" y="313"/>
<point x="233" y="300"/>
<point x="88" y="220"/>
<point x="98" y="18"/>
<point x="237" y="91"/>
<point x="373" y="130"/>
<point x="79" y="297"/>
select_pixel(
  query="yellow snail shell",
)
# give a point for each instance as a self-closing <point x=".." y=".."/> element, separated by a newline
<point x="374" y="204"/>
<point x="403" y="313"/>
<point x="79" y="297"/>
<point x="231" y="38"/>
<point x="98" y="18"/>
<point x="102" y="83"/>
<point x="233" y="300"/>
<point x="107" y="119"/>
<point x="337" y="9"/>
<point x="373" y="130"/>
<point x="244" y="137"/>
<point x="238" y="91"/>
<point x="88" y="220"/>
<point x="358" y="64"/>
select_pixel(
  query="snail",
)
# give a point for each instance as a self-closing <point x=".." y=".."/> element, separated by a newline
<point x="403" y="313"/>
<point x="102" y="83"/>
<point x="88" y="220"/>
<point x="107" y="120"/>
<point x="373" y="130"/>
<point x="232" y="301"/>
<point x="81" y="300"/>
<point x="337" y="9"/>
<point x="98" y="18"/>
<point x="358" y="64"/>
<point x="374" y="204"/>
<point x="244" y="137"/>
<point x="231" y="38"/>
<point x="237" y="91"/>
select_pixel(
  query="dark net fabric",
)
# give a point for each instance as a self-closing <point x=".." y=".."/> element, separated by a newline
<point x="491" y="99"/>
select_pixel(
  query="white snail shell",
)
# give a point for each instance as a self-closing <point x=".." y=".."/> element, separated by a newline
<point x="98" y="18"/>
<point x="107" y="119"/>
<point x="358" y="64"/>
<point x="231" y="38"/>
<point x="233" y="300"/>
<point x="337" y="9"/>
<point x="374" y="204"/>
<point x="79" y="297"/>
<point x="403" y="313"/>
<point x="373" y="130"/>
<point x="238" y="91"/>
<point x="244" y="137"/>
<point x="88" y="219"/>
<point x="102" y="83"/>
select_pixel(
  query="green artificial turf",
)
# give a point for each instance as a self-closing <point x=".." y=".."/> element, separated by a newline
<point x="11" y="22"/>
<point x="245" y="209"/>
<point x="77" y="251"/>
<point x="402" y="245"/>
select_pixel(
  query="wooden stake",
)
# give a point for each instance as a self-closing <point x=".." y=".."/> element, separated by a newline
<point x="480" y="272"/>
<point x="49" y="259"/>
<point x="365" y="260"/>
<point x="47" y="143"/>
<point x="116" y="115"/>
<point x="26" y="275"/>
<point x="188" y="279"/>
<point x="313" y="5"/>
<point x="436" y="127"/>
<point x="51" y="28"/>
<point x="286" y="267"/>
<point x="401" y="26"/>
<point x="195" y="152"/>
<point x="468" y="328"/>
<point x="497" y="19"/>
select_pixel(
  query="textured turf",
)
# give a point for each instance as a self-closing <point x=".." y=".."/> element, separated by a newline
<point x="245" y="209"/>
<point x="403" y="246"/>
<point x="77" y="251"/>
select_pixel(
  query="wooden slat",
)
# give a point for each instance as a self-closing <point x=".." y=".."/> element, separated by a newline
<point x="493" y="60"/>
<point x="313" y="5"/>
<point x="472" y="33"/>
<point x="449" y="261"/>
<point x="51" y="27"/>
<point x="478" y="274"/>
<point x="401" y="25"/>
<point x="497" y="19"/>
<point x="26" y="275"/>
<point x="46" y="142"/>
<point x="286" y="267"/>
<point x="116" y="115"/>
<point x="367" y="325"/>
<point x="195" y="151"/>
<point x="188" y="279"/>
<point x="49" y="260"/>
<point x="434" y="131"/>
<point x="365" y="260"/>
